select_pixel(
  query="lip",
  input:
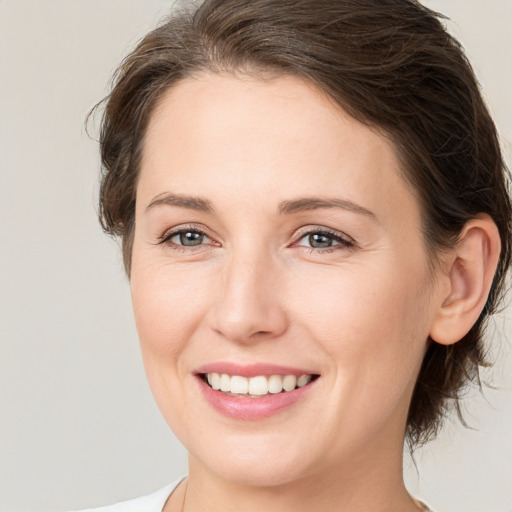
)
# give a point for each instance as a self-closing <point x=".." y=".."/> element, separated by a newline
<point x="251" y="409"/>
<point x="252" y="370"/>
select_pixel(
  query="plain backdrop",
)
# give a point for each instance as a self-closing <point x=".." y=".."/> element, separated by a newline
<point x="78" y="426"/>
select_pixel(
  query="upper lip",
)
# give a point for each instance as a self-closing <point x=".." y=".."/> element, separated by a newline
<point x="251" y="370"/>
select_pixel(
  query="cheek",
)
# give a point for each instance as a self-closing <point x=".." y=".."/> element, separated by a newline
<point x="168" y="303"/>
<point x="372" y="325"/>
<point x="360" y="301"/>
<point x="373" y="332"/>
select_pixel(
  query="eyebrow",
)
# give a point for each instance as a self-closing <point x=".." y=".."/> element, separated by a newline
<point x="314" y="203"/>
<point x="285" y="208"/>
<point x="190" y="202"/>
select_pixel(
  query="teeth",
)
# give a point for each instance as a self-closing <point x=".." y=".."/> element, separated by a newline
<point x="225" y="382"/>
<point x="303" y="380"/>
<point x="275" y="384"/>
<point x="256" y="386"/>
<point x="289" y="382"/>
<point x="214" y="380"/>
<point x="240" y="385"/>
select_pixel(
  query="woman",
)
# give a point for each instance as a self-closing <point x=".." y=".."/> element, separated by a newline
<point x="315" y="223"/>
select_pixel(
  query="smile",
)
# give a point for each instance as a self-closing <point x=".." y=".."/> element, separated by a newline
<point x="260" y="392"/>
<point x="257" y="386"/>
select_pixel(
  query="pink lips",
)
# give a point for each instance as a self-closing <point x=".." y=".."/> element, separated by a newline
<point x="247" y="408"/>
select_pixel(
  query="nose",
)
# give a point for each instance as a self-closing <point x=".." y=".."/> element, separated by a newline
<point x="249" y="302"/>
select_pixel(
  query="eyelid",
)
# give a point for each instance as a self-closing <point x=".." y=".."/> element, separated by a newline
<point x="308" y="230"/>
<point x="183" y="228"/>
<point x="344" y="240"/>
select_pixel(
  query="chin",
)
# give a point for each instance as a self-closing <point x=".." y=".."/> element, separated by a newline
<point x="256" y="472"/>
<point x="258" y="462"/>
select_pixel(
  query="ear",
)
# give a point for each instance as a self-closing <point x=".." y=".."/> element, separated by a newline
<point x="467" y="278"/>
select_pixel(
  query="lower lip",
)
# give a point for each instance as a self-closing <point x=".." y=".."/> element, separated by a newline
<point x="247" y="408"/>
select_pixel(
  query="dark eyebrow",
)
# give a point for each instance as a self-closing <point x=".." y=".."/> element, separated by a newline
<point x="313" y="203"/>
<point x="194" y="203"/>
<point x="286" y="207"/>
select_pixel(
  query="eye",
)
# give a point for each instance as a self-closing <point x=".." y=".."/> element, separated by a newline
<point x="186" y="237"/>
<point x="324" y="239"/>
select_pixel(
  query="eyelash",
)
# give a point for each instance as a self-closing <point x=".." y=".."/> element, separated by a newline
<point x="344" y="241"/>
<point x="166" y="238"/>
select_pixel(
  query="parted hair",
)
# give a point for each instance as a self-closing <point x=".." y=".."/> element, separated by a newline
<point x="390" y="64"/>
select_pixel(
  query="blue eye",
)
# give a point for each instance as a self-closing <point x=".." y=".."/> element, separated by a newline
<point x="324" y="240"/>
<point x="187" y="237"/>
<point x="320" y="241"/>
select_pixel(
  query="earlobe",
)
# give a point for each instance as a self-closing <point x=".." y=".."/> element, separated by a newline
<point x="469" y="273"/>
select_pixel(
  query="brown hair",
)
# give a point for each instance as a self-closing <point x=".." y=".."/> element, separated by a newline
<point x="390" y="64"/>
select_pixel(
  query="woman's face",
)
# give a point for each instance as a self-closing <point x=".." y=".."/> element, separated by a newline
<point x="275" y="237"/>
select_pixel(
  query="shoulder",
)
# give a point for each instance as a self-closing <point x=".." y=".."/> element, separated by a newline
<point x="424" y="507"/>
<point x="153" y="502"/>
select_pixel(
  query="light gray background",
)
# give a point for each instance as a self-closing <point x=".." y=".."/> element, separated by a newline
<point x="78" y="426"/>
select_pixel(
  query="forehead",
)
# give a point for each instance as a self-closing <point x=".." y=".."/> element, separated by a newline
<point x="267" y="139"/>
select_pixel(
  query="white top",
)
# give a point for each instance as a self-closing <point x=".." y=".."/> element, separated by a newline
<point x="153" y="502"/>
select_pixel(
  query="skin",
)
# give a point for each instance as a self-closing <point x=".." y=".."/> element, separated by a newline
<point x="357" y="313"/>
